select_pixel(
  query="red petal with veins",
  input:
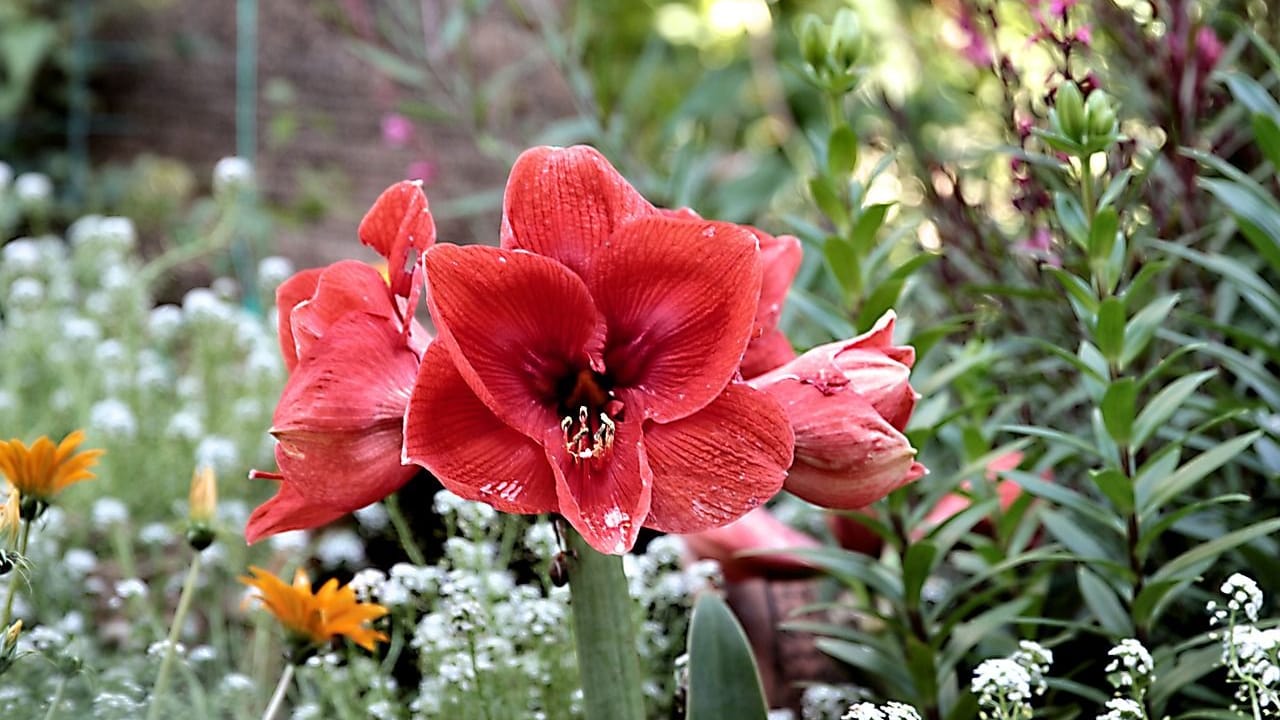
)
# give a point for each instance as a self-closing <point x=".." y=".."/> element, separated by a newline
<point x="339" y="420"/>
<point x="398" y="225"/>
<point x="516" y="325"/>
<point x="717" y="464"/>
<point x="345" y="286"/>
<point x="781" y="258"/>
<point x="288" y="510"/>
<point x="565" y="203"/>
<point x="605" y="499"/>
<point x="450" y="432"/>
<point x="679" y="297"/>
<point x="296" y="289"/>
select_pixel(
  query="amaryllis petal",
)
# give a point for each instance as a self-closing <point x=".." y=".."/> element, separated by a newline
<point x="449" y="431"/>
<point x="711" y="467"/>
<point x="339" y="420"/>
<point x="767" y="352"/>
<point x="343" y="287"/>
<point x="880" y="337"/>
<point x="605" y="498"/>
<point x="296" y="289"/>
<point x="781" y="258"/>
<point x="400" y="227"/>
<point x="565" y="202"/>
<point x="288" y="510"/>
<point x="756" y="532"/>
<point x="679" y="297"/>
<point x="518" y="326"/>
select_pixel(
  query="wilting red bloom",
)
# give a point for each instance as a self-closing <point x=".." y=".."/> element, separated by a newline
<point x="848" y="403"/>
<point x="352" y="347"/>
<point x="754" y="532"/>
<point x="588" y="366"/>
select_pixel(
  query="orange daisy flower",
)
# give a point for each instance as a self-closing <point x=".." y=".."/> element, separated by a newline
<point x="43" y="470"/>
<point x="317" y="617"/>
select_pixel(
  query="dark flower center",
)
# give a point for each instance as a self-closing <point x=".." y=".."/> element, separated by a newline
<point x="589" y="412"/>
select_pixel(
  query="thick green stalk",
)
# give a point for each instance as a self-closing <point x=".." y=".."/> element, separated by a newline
<point x="604" y="629"/>
<point x="184" y="604"/>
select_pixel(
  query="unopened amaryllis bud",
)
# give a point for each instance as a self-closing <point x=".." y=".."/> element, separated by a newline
<point x="848" y="403"/>
<point x="203" y="504"/>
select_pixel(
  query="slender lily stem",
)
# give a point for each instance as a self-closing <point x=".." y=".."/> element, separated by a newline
<point x="277" y="697"/>
<point x="180" y="614"/>
<point x="604" y="630"/>
<point x="13" y="582"/>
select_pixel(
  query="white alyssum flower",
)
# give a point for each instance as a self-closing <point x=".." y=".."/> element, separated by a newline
<point x="888" y="711"/>
<point x="26" y="293"/>
<point x="1243" y="595"/>
<point x="217" y="452"/>
<point x="231" y="174"/>
<point x="117" y="234"/>
<point x="373" y="516"/>
<point x="821" y="701"/>
<point x="109" y="511"/>
<point x="1001" y="685"/>
<point x="274" y="270"/>
<point x="1123" y="709"/>
<point x="6" y="176"/>
<point x="340" y="547"/>
<point x="203" y="306"/>
<point x="164" y="322"/>
<point x="33" y="188"/>
<point x="113" y="418"/>
<point x="1131" y="665"/>
<point x="22" y="257"/>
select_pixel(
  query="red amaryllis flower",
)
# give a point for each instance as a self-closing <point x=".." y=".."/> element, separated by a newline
<point x="848" y="403"/>
<point x="587" y="367"/>
<point x="352" y="347"/>
<point x="765" y="537"/>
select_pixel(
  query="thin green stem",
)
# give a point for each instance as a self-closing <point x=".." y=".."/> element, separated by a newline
<point x="277" y="697"/>
<point x="52" y="712"/>
<point x="180" y="614"/>
<point x="13" y="582"/>
<point x="604" y="630"/>
<point x="404" y="533"/>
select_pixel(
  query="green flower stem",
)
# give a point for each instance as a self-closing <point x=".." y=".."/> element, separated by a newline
<point x="403" y="532"/>
<point x="13" y="581"/>
<point x="180" y="614"/>
<point x="604" y="630"/>
<point x="277" y="697"/>
<point x="52" y="712"/>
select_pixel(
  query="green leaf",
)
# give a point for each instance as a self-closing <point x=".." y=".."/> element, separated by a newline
<point x="1081" y="295"/>
<point x="1061" y="495"/>
<point x="828" y="201"/>
<point x="1178" y="567"/>
<point x="389" y="64"/>
<point x="1187" y="669"/>
<point x="1267" y="133"/>
<point x="847" y="565"/>
<point x="1103" y="603"/>
<point x="863" y="235"/>
<point x="1102" y="234"/>
<point x="890" y="669"/>
<point x="1109" y="334"/>
<point x="1154" y="594"/>
<point x="886" y="294"/>
<point x="1054" y="436"/>
<point x="844" y="264"/>
<point x="916" y="566"/>
<point x="1116" y="486"/>
<point x="1257" y="215"/>
<point x="842" y="152"/>
<point x="1257" y="292"/>
<point x="1143" y="325"/>
<point x="1165" y="404"/>
<point x="1152" y="492"/>
<point x="1072" y="219"/>
<point x="965" y="636"/>
<point x="1150" y="535"/>
<point x="1075" y="536"/>
<point x="723" y="678"/>
<point x="1118" y="409"/>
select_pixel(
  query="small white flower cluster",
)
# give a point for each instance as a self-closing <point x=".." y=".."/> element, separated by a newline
<point x="822" y="701"/>
<point x="888" y="711"/>
<point x="1123" y="709"/>
<point x="1251" y="654"/>
<point x="1131" y="667"/>
<point x="1005" y="686"/>
<point x="1243" y="596"/>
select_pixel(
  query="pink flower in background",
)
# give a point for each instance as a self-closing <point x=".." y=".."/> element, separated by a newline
<point x="423" y="171"/>
<point x="1208" y="48"/>
<point x="848" y="403"/>
<point x="397" y="130"/>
